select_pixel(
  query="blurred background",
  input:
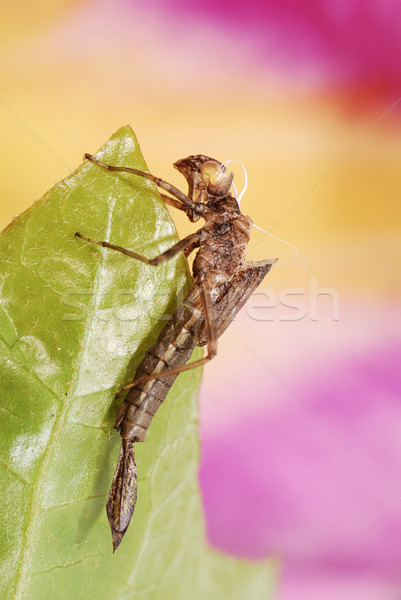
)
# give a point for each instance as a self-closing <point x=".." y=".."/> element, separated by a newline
<point x="301" y="410"/>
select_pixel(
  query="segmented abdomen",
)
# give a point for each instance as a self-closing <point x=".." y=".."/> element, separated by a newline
<point x="173" y="348"/>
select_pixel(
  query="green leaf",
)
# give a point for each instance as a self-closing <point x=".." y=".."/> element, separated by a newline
<point x="75" y="320"/>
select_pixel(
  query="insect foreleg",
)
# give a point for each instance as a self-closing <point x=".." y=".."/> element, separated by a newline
<point x="171" y="189"/>
<point x="193" y="215"/>
<point x="188" y="243"/>
<point x="172" y="202"/>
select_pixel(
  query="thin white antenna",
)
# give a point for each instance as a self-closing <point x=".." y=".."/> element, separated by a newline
<point x="283" y="241"/>
<point x="235" y="192"/>
<point x="238" y="198"/>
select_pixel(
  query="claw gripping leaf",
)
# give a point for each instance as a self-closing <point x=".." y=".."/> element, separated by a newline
<point x="72" y="316"/>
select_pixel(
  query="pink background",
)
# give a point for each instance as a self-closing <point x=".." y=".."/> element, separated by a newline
<point x="301" y="410"/>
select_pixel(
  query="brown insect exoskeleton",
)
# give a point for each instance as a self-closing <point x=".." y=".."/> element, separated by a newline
<point x="223" y="282"/>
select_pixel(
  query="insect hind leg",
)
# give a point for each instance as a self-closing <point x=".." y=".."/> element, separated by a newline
<point x="210" y="321"/>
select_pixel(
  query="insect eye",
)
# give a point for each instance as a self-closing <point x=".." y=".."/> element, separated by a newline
<point x="213" y="173"/>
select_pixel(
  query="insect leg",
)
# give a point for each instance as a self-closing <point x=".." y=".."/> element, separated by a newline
<point x="172" y="202"/>
<point x="193" y="215"/>
<point x="211" y="345"/>
<point x="210" y="321"/>
<point x="218" y="316"/>
<point x="196" y="207"/>
<point x="188" y="243"/>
